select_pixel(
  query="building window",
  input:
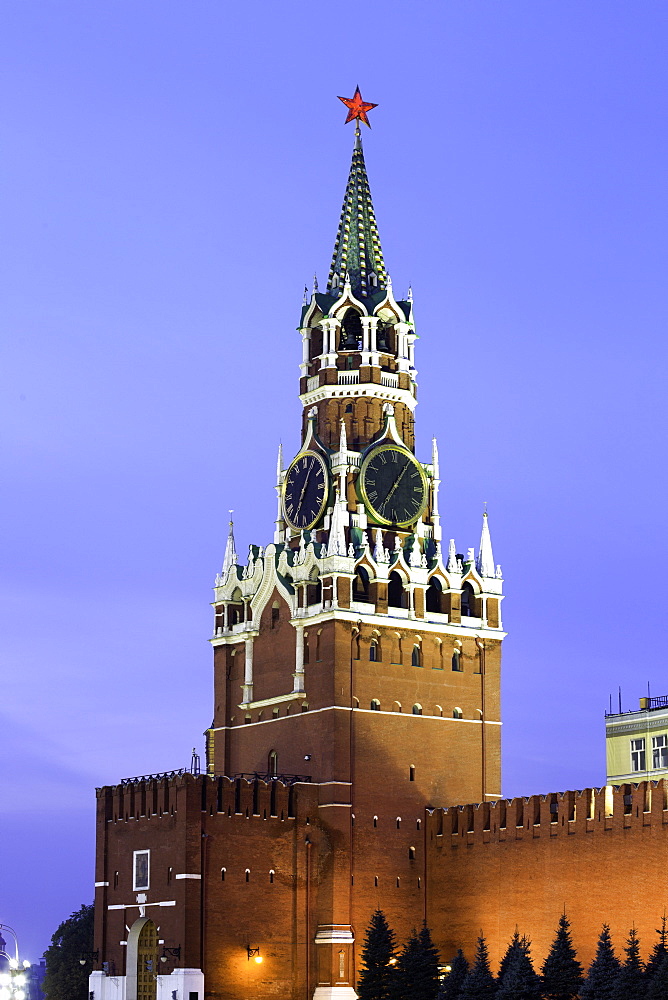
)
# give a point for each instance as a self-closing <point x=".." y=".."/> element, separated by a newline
<point x="411" y="773"/>
<point x="457" y="713"/>
<point x="375" y="705"/>
<point x="416" y="657"/>
<point x="141" y="870"/>
<point x="417" y="709"/>
<point x="275" y="614"/>
<point x="273" y="764"/>
<point x="638" y="755"/>
<point x="374" y="651"/>
<point x="660" y="751"/>
<point x="411" y="853"/>
<point x="223" y="872"/>
<point x="456" y="660"/>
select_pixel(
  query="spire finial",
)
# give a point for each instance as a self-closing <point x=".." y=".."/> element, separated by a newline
<point x="230" y="551"/>
<point x="279" y="460"/>
<point x="315" y="282"/>
<point x="357" y="109"/>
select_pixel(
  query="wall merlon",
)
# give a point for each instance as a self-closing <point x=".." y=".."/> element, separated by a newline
<point x="619" y="807"/>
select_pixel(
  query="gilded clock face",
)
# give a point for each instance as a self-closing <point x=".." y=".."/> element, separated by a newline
<point x="305" y="490"/>
<point x="393" y="486"/>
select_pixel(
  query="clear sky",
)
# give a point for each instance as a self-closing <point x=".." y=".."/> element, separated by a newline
<point x="171" y="177"/>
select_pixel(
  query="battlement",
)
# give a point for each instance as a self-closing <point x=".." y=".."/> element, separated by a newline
<point x="611" y="807"/>
<point x="166" y="795"/>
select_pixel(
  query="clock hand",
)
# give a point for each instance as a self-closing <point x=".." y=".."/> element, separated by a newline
<point x="393" y="487"/>
<point x="308" y="476"/>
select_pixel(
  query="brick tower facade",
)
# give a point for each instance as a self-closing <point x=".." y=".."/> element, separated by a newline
<point x="356" y="678"/>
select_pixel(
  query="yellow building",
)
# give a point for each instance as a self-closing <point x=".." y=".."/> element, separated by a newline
<point x="636" y="743"/>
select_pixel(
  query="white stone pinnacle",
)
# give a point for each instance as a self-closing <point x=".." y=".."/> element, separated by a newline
<point x="343" y="439"/>
<point x="485" y="564"/>
<point x="230" y="551"/>
<point x="453" y="566"/>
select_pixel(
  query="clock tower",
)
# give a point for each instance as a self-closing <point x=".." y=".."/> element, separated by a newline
<point x="356" y="692"/>
<point x="355" y="652"/>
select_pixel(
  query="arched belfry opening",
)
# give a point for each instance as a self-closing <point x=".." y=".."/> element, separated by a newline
<point x="396" y="597"/>
<point x="468" y="598"/>
<point x="434" y="592"/>
<point x="351" y="332"/>
<point x="142" y="961"/>
<point x="361" y="585"/>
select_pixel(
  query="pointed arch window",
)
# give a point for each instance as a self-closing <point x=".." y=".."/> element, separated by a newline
<point x="416" y="656"/>
<point x="374" y="651"/>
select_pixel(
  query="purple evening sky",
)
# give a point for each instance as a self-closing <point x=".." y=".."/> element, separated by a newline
<point x="172" y="175"/>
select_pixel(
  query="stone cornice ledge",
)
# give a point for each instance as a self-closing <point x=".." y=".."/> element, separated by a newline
<point x="278" y="700"/>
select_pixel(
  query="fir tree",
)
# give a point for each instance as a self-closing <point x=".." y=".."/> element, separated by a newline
<point x="562" y="973"/>
<point x="658" y="987"/>
<point x="630" y="983"/>
<point x="452" y="984"/>
<point x="659" y="952"/>
<point x="479" y="983"/>
<point x="603" y="971"/>
<point x="510" y="956"/>
<point x="378" y="955"/>
<point x="520" y="981"/>
<point x="417" y="975"/>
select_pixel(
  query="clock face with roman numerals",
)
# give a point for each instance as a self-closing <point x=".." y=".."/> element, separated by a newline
<point x="305" y="490"/>
<point x="393" y="486"/>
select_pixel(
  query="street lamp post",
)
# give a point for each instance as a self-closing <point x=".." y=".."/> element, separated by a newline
<point x="13" y="981"/>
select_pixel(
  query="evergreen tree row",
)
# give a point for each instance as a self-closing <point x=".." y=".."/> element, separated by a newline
<point x="414" y="971"/>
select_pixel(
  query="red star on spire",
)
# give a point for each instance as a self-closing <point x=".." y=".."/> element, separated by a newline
<point x="357" y="108"/>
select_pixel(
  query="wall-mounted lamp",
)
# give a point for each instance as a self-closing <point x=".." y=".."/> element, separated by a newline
<point x="254" y="953"/>
<point x="88" y="956"/>
<point x="307" y="756"/>
<point x="174" y="952"/>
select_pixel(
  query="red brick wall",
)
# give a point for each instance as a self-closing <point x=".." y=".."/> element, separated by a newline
<point x="603" y="868"/>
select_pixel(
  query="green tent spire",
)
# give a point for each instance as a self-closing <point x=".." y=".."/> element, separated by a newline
<point x="357" y="251"/>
